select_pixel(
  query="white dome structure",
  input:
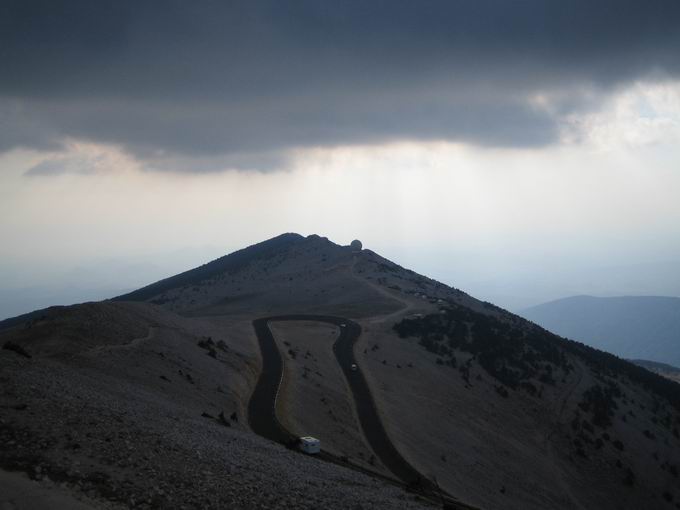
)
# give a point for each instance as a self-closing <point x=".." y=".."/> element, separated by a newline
<point x="356" y="245"/>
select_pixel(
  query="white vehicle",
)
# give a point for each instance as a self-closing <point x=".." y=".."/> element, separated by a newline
<point x="343" y="325"/>
<point x="310" y="445"/>
<point x="353" y="367"/>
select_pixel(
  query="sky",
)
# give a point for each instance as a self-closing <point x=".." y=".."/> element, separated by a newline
<point x="520" y="151"/>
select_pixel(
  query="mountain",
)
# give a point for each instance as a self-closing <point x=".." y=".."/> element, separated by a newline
<point x="228" y="264"/>
<point x="634" y="327"/>
<point x="663" y="369"/>
<point x="147" y="400"/>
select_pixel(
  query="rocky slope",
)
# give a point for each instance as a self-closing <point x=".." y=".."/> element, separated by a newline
<point x="129" y="402"/>
<point x="119" y="406"/>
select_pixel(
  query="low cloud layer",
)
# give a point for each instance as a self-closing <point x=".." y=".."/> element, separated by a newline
<point x="207" y="85"/>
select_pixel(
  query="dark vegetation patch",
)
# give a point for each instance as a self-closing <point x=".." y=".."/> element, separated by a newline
<point x="600" y="402"/>
<point x="629" y="478"/>
<point x="14" y="347"/>
<point x="507" y="351"/>
<point x="514" y="350"/>
<point x="208" y="345"/>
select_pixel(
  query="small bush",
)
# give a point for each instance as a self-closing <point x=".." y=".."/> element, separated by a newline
<point x="600" y="403"/>
<point x="206" y="343"/>
<point x="502" y="391"/>
<point x="11" y="346"/>
<point x="223" y="420"/>
<point x="629" y="478"/>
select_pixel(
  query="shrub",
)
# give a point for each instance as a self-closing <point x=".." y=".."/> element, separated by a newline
<point x="629" y="478"/>
<point x="600" y="403"/>
<point x="206" y="343"/>
<point x="14" y="347"/>
<point x="502" y="391"/>
<point x="223" y="420"/>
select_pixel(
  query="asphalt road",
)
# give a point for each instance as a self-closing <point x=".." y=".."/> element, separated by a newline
<point x="262" y="405"/>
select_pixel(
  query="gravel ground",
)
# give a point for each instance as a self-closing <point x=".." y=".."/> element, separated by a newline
<point x="116" y="443"/>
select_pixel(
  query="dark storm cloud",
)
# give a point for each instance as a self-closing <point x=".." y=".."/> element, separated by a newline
<point x="231" y="80"/>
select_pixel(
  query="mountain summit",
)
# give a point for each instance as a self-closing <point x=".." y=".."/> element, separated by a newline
<point x="291" y="273"/>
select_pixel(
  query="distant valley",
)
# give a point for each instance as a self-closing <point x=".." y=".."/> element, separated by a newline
<point x="635" y="327"/>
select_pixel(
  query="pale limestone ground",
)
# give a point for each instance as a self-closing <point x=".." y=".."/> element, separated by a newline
<point x="118" y="417"/>
<point x="315" y="399"/>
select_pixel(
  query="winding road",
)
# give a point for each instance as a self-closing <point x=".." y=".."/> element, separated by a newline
<point x="262" y="406"/>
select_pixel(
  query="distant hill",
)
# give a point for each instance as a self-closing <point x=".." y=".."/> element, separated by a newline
<point x="633" y="327"/>
<point x="668" y="371"/>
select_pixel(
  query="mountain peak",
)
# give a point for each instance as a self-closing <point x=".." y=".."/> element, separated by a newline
<point x="226" y="263"/>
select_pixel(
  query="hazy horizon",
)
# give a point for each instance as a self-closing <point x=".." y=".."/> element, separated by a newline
<point x="521" y="153"/>
<point x="104" y="278"/>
